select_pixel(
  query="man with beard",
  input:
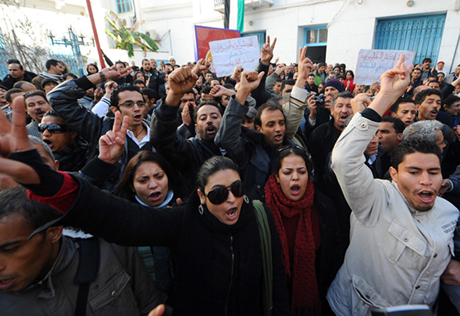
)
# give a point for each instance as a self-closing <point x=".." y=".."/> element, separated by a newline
<point x="187" y="155"/>
<point x="17" y="73"/>
<point x="318" y="114"/>
<point x="36" y="106"/>
<point x="323" y="138"/>
<point x="401" y="232"/>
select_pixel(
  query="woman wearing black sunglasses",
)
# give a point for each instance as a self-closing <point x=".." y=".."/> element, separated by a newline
<point x="214" y="238"/>
<point x="308" y="229"/>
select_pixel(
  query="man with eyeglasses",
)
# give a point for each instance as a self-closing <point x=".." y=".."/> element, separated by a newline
<point x="126" y="99"/>
<point x="17" y="73"/>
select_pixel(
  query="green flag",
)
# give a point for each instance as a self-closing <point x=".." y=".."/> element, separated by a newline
<point x="240" y="23"/>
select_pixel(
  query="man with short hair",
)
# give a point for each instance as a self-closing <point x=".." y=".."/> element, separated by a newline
<point x="323" y="138"/>
<point x="318" y="114"/>
<point x="17" y="73"/>
<point x="42" y="269"/>
<point x="390" y="133"/>
<point x="428" y="103"/>
<point x="404" y="108"/>
<point x="24" y="86"/>
<point x="320" y="74"/>
<point x="426" y="69"/>
<point x="434" y="84"/>
<point x="54" y="70"/>
<point x="36" y="106"/>
<point x="451" y="105"/>
<point x="311" y="86"/>
<point x="416" y="80"/>
<point x="187" y="155"/>
<point x="126" y="99"/>
<point x="402" y="228"/>
<point x="146" y="68"/>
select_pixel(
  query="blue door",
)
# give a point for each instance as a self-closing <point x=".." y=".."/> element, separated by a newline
<point x="421" y="34"/>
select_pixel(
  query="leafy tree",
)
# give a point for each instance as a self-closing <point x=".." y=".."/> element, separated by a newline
<point x="127" y="39"/>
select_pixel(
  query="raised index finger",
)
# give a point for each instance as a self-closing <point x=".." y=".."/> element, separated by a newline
<point x="5" y="125"/>
<point x="116" y="123"/>
<point x="18" y="125"/>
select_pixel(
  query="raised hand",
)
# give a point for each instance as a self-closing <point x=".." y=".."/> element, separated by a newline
<point x="218" y="91"/>
<point x="14" y="137"/>
<point x="181" y="81"/>
<point x="237" y="73"/>
<point x="360" y="102"/>
<point x="201" y="65"/>
<point x="266" y="53"/>
<point x="249" y="81"/>
<point x="111" y="144"/>
<point x="158" y="311"/>
<point x="312" y="105"/>
<point x="394" y="84"/>
<point x="305" y="67"/>
<point x="115" y="73"/>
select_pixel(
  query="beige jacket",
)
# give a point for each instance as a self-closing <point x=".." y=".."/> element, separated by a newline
<point x="396" y="254"/>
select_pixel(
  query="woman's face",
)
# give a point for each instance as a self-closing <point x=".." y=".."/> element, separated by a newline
<point x="151" y="183"/>
<point x="349" y="76"/>
<point x="140" y="76"/>
<point x="92" y="69"/>
<point x="229" y="211"/>
<point x="293" y="177"/>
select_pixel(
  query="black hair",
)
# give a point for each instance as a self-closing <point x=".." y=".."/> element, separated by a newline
<point x="12" y="61"/>
<point x="281" y="80"/>
<point x="34" y="93"/>
<point x="340" y="77"/>
<point x="69" y="74"/>
<point x="114" y="99"/>
<point x="395" y="106"/>
<point x="292" y="150"/>
<point x="145" y="59"/>
<point x="19" y="84"/>
<point x="125" y="188"/>
<point x="311" y="74"/>
<point x="206" y="90"/>
<point x="52" y="113"/>
<point x="352" y="73"/>
<point x="322" y="65"/>
<point x="447" y="102"/>
<point x="87" y="67"/>
<point x="10" y="92"/>
<point x="287" y="82"/>
<point x="150" y="93"/>
<point x="229" y="86"/>
<point x="14" y="201"/>
<point x="213" y="165"/>
<point x="398" y="125"/>
<point x="51" y="62"/>
<point x="427" y="60"/>
<point x="270" y="105"/>
<point x="137" y="81"/>
<point x="207" y="102"/>
<point x="421" y="96"/>
<point x="343" y="94"/>
<point x="410" y="146"/>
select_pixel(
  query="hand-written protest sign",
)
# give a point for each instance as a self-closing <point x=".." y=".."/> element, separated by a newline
<point x="372" y="63"/>
<point x="229" y="53"/>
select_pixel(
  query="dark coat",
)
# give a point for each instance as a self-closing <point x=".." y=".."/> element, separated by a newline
<point x="9" y="81"/>
<point x="200" y="291"/>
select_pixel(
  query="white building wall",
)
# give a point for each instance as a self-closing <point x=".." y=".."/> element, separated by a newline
<point x="351" y="24"/>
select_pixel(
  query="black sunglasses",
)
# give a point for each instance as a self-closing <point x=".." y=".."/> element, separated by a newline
<point x="52" y="128"/>
<point x="218" y="196"/>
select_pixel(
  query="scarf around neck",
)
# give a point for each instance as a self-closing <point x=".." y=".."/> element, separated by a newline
<point x="305" y="292"/>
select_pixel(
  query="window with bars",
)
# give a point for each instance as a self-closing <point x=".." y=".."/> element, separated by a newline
<point x="123" y="6"/>
<point x="421" y="34"/>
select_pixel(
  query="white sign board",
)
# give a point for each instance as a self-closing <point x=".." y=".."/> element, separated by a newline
<point x="229" y="53"/>
<point x="372" y="63"/>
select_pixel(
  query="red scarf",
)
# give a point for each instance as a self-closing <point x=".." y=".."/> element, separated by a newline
<point x="303" y="275"/>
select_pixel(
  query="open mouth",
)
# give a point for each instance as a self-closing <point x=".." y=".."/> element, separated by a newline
<point x="279" y="137"/>
<point x="211" y="130"/>
<point x="6" y="283"/>
<point x="295" y="189"/>
<point x="232" y="213"/>
<point x="39" y="113"/>
<point x="426" y="196"/>
<point x="138" y="117"/>
<point x="343" y="117"/>
<point x="48" y="142"/>
<point x="155" y="196"/>
<point x="434" y="113"/>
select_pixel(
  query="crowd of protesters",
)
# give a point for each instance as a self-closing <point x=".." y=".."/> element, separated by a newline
<point x="288" y="189"/>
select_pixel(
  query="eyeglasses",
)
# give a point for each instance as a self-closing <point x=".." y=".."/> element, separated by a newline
<point x="130" y="104"/>
<point x="218" y="196"/>
<point x="53" y="128"/>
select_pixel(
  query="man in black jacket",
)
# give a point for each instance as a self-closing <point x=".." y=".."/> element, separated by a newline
<point x="186" y="155"/>
<point x="17" y="73"/>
